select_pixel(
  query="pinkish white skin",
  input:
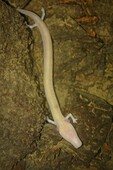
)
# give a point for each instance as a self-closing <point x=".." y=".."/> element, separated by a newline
<point x="65" y="128"/>
<point x="68" y="132"/>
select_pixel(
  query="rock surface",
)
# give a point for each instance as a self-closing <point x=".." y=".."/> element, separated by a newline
<point x="21" y="103"/>
<point x="83" y="79"/>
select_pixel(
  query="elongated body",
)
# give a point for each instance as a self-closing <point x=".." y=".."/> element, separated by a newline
<point x="66" y="130"/>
